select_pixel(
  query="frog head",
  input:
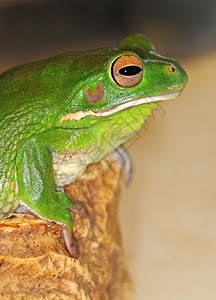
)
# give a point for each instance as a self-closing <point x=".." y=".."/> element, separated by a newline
<point x="109" y="81"/>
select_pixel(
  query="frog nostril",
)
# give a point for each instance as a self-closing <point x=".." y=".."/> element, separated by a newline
<point x="171" y="69"/>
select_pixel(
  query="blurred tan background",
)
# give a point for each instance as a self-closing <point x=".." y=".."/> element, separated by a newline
<point x="168" y="214"/>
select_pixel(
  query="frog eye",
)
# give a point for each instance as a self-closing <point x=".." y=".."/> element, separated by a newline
<point x="127" y="70"/>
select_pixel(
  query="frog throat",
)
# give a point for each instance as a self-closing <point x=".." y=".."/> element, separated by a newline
<point x="131" y="103"/>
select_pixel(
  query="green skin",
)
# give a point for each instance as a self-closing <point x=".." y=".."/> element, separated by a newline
<point x="34" y="100"/>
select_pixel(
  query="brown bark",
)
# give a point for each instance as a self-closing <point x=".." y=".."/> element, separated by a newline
<point x="34" y="263"/>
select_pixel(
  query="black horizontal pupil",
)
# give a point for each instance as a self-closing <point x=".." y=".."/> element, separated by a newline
<point x="130" y="70"/>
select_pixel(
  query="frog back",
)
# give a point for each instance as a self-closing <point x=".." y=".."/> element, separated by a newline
<point x="25" y="110"/>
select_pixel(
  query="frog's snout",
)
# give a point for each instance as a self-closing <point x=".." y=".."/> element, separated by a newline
<point x="177" y="75"/>
<point x="171" y="68"/>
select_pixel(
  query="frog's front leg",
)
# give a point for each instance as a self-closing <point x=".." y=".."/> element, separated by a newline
<point x="37" y="189"/>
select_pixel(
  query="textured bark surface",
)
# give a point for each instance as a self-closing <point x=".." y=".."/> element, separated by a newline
<point x="34" y="263"/>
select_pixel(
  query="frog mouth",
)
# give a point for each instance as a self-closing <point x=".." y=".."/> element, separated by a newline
<point x="130" y="103"/>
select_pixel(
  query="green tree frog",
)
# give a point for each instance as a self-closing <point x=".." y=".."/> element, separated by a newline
<point x="63" y="113"/>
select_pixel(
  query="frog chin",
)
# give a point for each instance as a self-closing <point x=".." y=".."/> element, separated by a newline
<point x="129" y="103"/>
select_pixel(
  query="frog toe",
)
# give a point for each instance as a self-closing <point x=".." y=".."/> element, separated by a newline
<point x="80" y="209"/>
<point x="124" y="163"/>
<point x="70" y="242"/>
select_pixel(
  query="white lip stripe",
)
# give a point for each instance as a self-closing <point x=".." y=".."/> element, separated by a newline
<point x="137" y="102"/>
<point x="130" y="103"/>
